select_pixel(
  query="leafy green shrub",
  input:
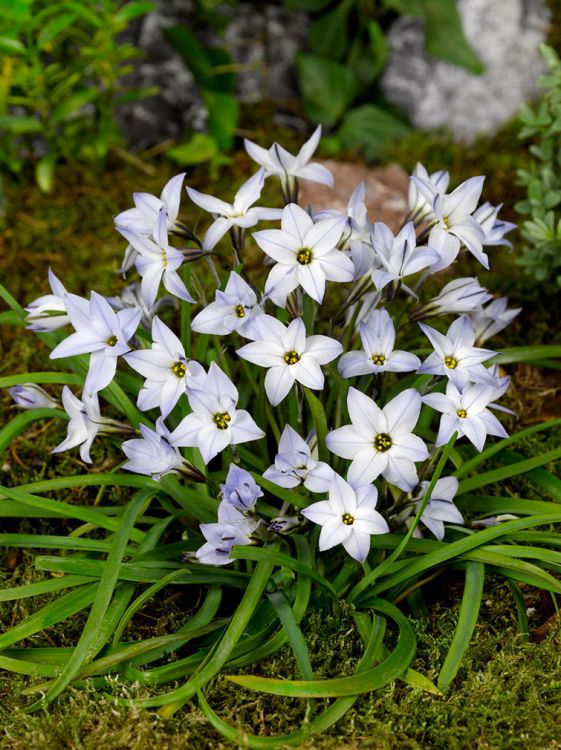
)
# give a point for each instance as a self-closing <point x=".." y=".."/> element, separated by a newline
<point x="61" y="78"/>
<point x="541" y="253"/>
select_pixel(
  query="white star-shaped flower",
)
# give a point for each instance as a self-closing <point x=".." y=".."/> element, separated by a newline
<point x="349" y="518"/>
<point x="84" y="425"/>
<point x="398" y="256"/>
<point x="306" y="255"/>
<point x="241" y="213"/>
<point x="48" y="312"/>
<point x="157" y="262"/>
<point x="215" y="422"/>
<point x="493" y="318"/>
<point x="144" y="216"/>
<point x="278" y="161"/>
<point x="493" y="228"/>
<point x="452" y="222"/>
<point x="233" y="528"/>
<point x="455" y="355"/>
<point x="440" y="508"/>
<point x="466" y="412"/>
<point x="377" y="334"/>
<point x="234" y="309"/>
<point x="459" y="297"/>
<point x="419" y="207"/>
<point x="153" y="454"/>
<point x="101" y="332"/>
<point x="295" y="465"/>
<point x="167" y="371"/>
<point x="355" y="240"/>
<point x="380" y="441"/>
<point x="290" y="356"/>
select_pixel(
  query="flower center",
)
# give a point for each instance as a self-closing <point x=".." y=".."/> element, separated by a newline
<point x="240" y="311"/>
<point x="382" y="442"/>
<point x="221" y="420"/>
<point x="179" y="369"/>
<point x="462" y="413"/>
<point x="112" y="340"/>
<point x="304" y="256"/>
<point x="379" y="359"/>
<point x="347" y="519"/>
<point x="291" y="358"/>
<point x="451" y="362"/>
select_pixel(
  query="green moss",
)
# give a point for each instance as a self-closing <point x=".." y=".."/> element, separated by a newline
<point x="506" y="697"/>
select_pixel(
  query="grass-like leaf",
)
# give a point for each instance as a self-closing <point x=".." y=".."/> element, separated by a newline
<point x="467" y="619"/>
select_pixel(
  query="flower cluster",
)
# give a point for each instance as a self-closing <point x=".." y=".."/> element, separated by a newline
<point x="268" y="360"/>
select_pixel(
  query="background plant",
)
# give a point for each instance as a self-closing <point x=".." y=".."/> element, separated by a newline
<point x="541" y="231"/>
<point x="61" y="79"/>
<point x="348" y="52"/>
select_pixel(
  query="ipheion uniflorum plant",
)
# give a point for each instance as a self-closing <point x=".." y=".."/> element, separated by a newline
<point x="291" y="425"/>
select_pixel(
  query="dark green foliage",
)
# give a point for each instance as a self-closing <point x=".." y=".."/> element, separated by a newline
<point x="62" y="70"/>
<point x="541" y="230"/>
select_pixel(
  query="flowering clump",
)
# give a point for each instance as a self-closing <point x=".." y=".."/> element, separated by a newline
<point x="321" y="261"/>
<point x="287" y="407"/>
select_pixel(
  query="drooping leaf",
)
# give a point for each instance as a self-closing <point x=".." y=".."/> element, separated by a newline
<point x="370" y="127"/>
<point x="328" y="34"/>
<point x="199" y="149"/>
<point x="223" y="115"/>
<point x="327" y="88"/>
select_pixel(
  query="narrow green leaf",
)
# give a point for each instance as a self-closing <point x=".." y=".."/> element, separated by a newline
<point x="57" y="611"/>
<point x="20" y="422"/>
<point x="286" y="495"/>
<point x="467" y="618"/>
<point x="293" y="632"/>
<point x="491" y="450"/>
<point x="66" y="510"/>
<point x="320" y="423"/>
<point x="89" y="642"/>
<point x="60" y="378"/>
<point x="30" y="590"/>
<point x="285" y="561"/>
<point x="491" y="505"/>
<point x="505" y="472"/>
<point x="172" y="701"/>
<point x="527" y="354"/>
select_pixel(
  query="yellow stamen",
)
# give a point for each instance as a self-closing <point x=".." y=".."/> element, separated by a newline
<point x="221" y="420"/>
<point x="382" y="442"/>
<point x="291" y="358"/>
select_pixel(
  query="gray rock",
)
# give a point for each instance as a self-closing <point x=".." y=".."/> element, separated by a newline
<point x="433" y="93"/>
<point x="263" y="40"/>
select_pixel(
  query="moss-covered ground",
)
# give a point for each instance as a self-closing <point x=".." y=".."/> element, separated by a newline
<point x="508" y="691"/>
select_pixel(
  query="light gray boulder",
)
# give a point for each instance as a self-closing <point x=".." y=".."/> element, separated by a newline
<point x="504" y="33"/>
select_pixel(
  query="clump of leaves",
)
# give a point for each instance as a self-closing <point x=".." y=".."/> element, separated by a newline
<point x="541" y="253"/>
<point x="62" y="70"/>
